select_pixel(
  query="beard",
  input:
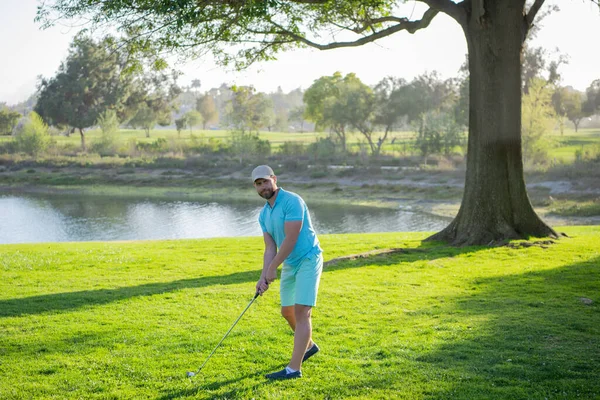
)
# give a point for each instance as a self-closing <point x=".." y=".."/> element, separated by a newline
<point x="267" y="194"/>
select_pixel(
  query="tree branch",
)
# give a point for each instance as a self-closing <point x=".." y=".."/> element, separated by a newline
<point x="410" y="26"/>
<point x="368" y="24"/>
<point x="449" y="7"/>
<point x="533" y="11"/>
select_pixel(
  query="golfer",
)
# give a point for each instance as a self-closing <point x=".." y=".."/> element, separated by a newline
<point x="289" y="240"/>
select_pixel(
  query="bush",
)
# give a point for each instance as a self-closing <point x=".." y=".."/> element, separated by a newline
<point x="292" y="149"/>
<point x="440" y="134"/>
<point x="324" y="149"/>
<point x="246" y="145"/>
<point x="588" y="153"/>
<point x="158" y="146"/>
<point x="33" y="137"/>
<point x="106" y="145"/>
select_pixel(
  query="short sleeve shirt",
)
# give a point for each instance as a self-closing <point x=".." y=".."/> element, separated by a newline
<point x="289" y="206"/>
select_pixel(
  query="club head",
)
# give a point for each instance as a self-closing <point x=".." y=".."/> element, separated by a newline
<point x="190" y="374"/>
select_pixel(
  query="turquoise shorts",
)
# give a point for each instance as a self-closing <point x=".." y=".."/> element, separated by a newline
<point x="299" y="285"/>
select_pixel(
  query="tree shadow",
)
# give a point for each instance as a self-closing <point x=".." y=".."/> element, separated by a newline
<point x="72" y="300"/>
<point x="539" y="340"/>
<point x="213" y="386"/>
<point x="59" y="302"/>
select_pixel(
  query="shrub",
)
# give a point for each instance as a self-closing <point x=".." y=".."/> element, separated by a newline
<point x="106" y="144"/>
<point x="439" y="134"/>
<point x="33" y="137"/>
<point x="324" y="149"/>
<point x="293" y="149"/>
<point x="158" y="146"/>
<point x="246" y="145"/>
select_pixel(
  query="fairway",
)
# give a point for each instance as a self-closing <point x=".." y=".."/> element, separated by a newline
<point x="126" y="320"/>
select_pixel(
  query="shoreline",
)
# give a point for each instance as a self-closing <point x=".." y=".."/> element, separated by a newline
<point x="437" y="193"/>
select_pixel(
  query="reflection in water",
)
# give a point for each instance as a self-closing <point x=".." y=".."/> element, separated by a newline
<point x="27" y="219"/>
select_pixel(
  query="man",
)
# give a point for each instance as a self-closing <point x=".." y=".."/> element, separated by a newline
<point x="289" y="240"/>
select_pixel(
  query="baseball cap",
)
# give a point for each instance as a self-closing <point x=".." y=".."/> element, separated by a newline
<point x="262" y="172"/>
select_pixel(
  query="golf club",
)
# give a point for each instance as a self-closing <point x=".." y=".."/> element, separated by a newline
<point x="191" y="374"/>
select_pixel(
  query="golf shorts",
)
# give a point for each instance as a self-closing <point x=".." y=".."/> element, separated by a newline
<point x="299" y="285"/>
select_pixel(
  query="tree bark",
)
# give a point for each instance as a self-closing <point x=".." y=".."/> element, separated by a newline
<point x="82" y="139"/>
<point x="495" y="205"/>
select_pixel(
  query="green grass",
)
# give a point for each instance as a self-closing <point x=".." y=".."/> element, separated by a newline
<point x="570" y="142"/>
<point x="576" y="208"/>
<point x="126" y="320"/>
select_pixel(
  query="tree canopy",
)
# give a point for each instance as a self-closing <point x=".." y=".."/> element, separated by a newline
<point x="86" y="84"/>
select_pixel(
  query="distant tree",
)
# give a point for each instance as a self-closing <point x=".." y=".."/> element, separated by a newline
<point x="208" y="108"/>
<point x="591" y="106"/>
<point x="269" y="117"/>
<point x="248" y="111"/>
<point x="388" y="108"/>
<point x="196" y="86"/>
<point x="280" y="121"/>
<point x="358" y="105"/>
<point x="153" y="100"/>
<point x="145" y="118"/>
<point x="568" y="104"/>
<point x="8" y="120"/>
<point x="180" y="124"/>
<point x="296" y="114"/>
<point x="89" y="82"/>
<point x="193" y="118"/>
<point x="323" y="108"/>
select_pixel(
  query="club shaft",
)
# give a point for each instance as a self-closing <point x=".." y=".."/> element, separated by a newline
<point x="230" y="329"/>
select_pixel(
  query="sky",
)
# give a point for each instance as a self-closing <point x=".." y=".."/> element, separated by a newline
<point x="29" y="52"/>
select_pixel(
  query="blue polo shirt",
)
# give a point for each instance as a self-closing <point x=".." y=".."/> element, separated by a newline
<point x="289" y="206"/>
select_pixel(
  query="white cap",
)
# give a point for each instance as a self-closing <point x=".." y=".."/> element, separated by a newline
<point x="262" y="172"/>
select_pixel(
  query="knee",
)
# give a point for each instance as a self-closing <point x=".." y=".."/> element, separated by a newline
<point x="302" y="313"/>
<point x="287" y="312"/>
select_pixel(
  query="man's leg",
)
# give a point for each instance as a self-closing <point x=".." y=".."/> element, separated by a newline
<point x="302" y="334"/>
<point x="288" y="313"/>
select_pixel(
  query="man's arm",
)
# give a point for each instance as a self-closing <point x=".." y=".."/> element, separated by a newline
<point x="270" y="251"/>
<point x="292" y="230"/>
<point x="269" y="254"/>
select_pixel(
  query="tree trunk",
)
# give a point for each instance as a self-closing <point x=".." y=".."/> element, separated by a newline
<point x="82" y="139"/>
<point x="495" y="205"/>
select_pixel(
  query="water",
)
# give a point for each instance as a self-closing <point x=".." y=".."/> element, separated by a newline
<point x="69" y="218"/>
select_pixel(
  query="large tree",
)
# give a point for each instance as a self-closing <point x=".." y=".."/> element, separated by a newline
<point x="495" y="204"/>
<point x="88" y="83"/>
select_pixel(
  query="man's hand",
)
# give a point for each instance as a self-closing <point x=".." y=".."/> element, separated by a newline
<point x="262" y="286"/>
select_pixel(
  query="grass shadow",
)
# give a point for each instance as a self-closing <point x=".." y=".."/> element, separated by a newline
<point x="72" y="300"/>
<point x="60" y="302"/>
<point x="214" y="386"/>
<point x="540" y="338"/>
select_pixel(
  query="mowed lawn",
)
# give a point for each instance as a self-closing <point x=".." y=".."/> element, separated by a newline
<point x="127" y="320"/>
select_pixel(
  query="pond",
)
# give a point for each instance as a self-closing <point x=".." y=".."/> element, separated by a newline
<point x="67" y="218"/>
